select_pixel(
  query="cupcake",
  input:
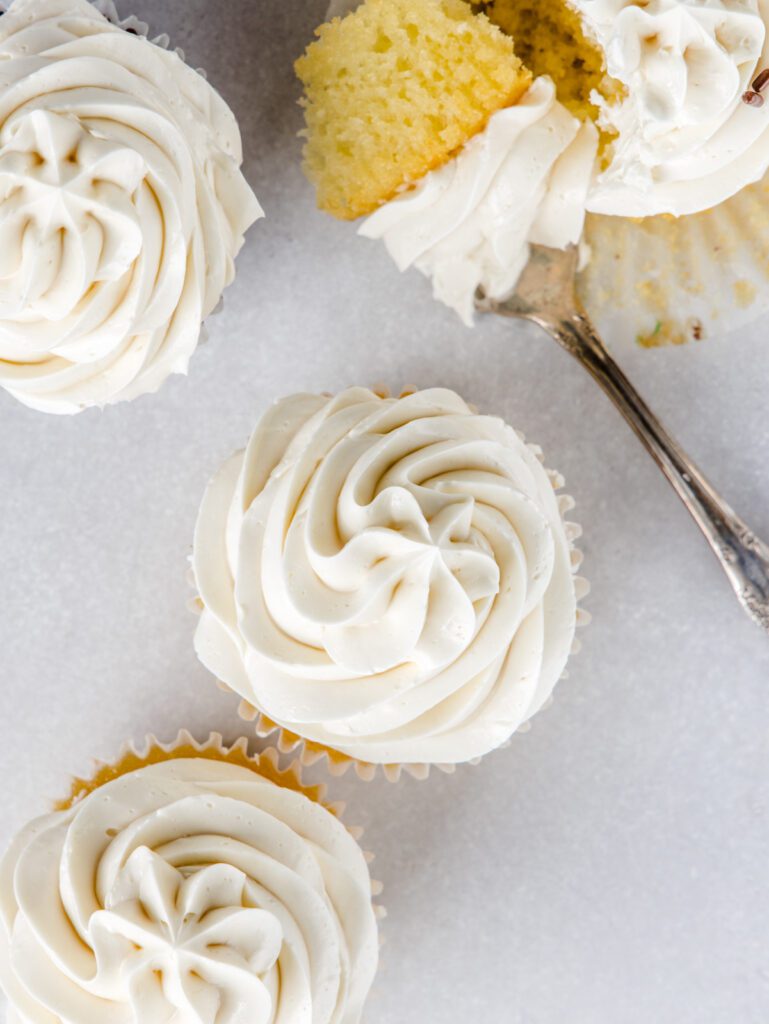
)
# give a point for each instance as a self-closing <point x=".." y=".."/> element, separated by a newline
<point x="188" y="883"/>
<point x="374" y="124"/>
<point x="387" y="581"/>
<point x="122" y="207"/>
<point x="652" y="110"/>
<point x="464" y="194"/>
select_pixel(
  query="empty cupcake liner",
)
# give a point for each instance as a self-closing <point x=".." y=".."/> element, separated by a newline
<point x="667" y="281"/>
<point x="340" y="8"/>
<point x="266" y="762"/>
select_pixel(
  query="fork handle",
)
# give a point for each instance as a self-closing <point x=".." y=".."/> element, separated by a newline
<point x="743" y="557"/>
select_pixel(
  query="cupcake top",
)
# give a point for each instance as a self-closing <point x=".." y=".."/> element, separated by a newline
<point x="122" y="207"/>
<point x="390" y="578"/>
<point x="191" y="890"/>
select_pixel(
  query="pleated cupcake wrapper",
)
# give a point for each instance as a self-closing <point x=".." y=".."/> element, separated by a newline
<point x="130" y="23"/>
<point x="133" y="24"/>
<point x="309" y="753"/>
<point x="140" y="28"/>
<point x="665" y="280"/>
<point x="266" y="763"/>
<point x="341" y="8"/>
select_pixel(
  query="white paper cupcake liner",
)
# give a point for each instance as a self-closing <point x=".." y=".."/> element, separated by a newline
<point x="139" y="28"/>
<point x="665" y="280"/>
<point x="310" y="753"/>
<point x="266" y="762"/>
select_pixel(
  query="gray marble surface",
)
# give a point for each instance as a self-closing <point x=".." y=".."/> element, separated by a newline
<point x="610" y="866"/>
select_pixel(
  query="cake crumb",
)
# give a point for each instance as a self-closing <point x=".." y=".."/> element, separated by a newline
<point x="664" y="332"/>
<point x="744" y="293"/>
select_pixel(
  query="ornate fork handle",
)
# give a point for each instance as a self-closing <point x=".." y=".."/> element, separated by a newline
<point x="745" y="559"/>
<point x="545" y="297"/>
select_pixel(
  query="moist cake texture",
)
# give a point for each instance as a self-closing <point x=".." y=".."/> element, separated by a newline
<point x="394" y="90"/>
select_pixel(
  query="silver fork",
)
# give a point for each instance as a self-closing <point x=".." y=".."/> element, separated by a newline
<point x="546" y="295"/>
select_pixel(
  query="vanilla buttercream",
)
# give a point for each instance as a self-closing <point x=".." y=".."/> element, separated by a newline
<point x="122" y="207"/>
<point x="390" y="578"/>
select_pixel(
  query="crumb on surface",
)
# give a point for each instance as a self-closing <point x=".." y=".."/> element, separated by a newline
<point x="744" y="293"/>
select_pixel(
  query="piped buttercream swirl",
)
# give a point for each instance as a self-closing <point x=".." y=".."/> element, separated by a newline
<point x="189" y="892"/>
<point x="122" y="207"/>
<point x="390" y="578"/>
<point x="685" y="140"/>
<point x="469" y="224"/>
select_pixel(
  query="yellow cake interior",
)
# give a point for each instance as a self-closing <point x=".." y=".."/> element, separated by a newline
<point x="550" y="40"/>
<point x="393" y="90"/>
<point x="396" y="88"/>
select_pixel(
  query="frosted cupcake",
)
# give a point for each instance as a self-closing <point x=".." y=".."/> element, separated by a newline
<point x="188" y="883"/>
<point x="631" y="111"/>
<point x="122" y="207"/>
<point x="388" y="581"/>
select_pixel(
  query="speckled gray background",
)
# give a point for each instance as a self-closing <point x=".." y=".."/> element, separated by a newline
<point x="610" y="867"/>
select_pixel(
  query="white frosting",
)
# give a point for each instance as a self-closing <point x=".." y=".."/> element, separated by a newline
<point x="189" y="892"/>
<point x="686" y="140"/>
<point x="469" y="224"/>
<point x="390" y="578"/>
<point x="122" y="207"/>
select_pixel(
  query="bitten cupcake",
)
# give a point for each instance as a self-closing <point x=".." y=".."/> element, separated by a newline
<point x="386" y="580"/>
<point x="645" y="124"/>
<point x="421" y="114"/>
<point x="122" y="207"/>
<point x="188" y="883"/>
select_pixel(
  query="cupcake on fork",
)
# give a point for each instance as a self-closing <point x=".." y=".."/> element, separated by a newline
<point x="421" y="115"/>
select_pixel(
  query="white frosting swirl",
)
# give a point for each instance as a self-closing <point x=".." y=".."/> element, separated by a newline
<point x="122" y="207"/>
<point x="188" y="892"/>
<point x="686" y="140"/>
<point x="469" y="224"/>
<point x="388" y="577"/>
